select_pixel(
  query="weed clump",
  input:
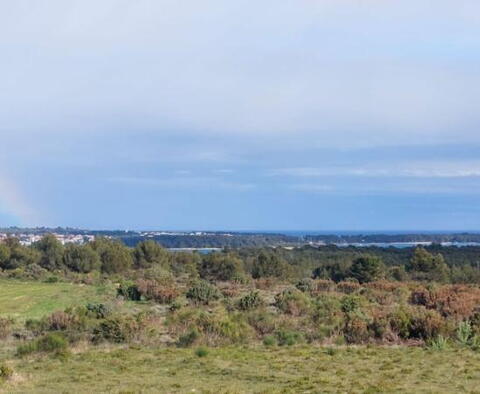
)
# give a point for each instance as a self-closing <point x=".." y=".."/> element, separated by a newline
<point x="49" y="343"/>
<point x="6" y="372"/>
<point x="201" y="352"/>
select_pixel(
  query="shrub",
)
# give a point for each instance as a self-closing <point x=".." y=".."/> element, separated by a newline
<point x="292" y="302"/>
<point x="188" y="339"/>
<point x="348" y="287"/>
<point x="400" y="321"/>
<point x="59" y="321"/>
<point x="269" y="340"/>
<point x="380" y="325"/>
<point x="5" y="372"/>
<point x="458" y="301"/>
<point x="250" y="301"/>
<point x="116" y="329"/>
<point x="203" y="293"/>
<point x="356" y="330"/>
<point x="322" y="285"/>
<point x="426" y="324"/>
<point x="331" y="351"/>
<point x="265" y="283"/>
<point x="438" y="343"/>
<point x="129" y="291"/>
<point x="350" y="304"/>
<point x="305" y="285"/>
<point x="289" y="338"/>
<point x="201" y="352"/>
<point x="152" y="290"/>
<point x="464" y="333"/>
<point x="49" y="343"/>
<point x="100" y="311"/>
<point x="222" y="329"/>
<point x="262" y="322"/>
<point x="221" y="266"/>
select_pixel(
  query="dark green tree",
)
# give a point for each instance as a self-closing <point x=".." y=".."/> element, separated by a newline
<point x="221" y="266"/>
<point x="270" y="265"/>
<point x="114" y="255"/>
<point x="81" y="258"/>
<point x="51" y="251"/>
<point x="149" y="253"/>
<point x="366" y="269"/>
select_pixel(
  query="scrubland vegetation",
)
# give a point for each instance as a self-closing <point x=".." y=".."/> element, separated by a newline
<point x="247" y="320"/>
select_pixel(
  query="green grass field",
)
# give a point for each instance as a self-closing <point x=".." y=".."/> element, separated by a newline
<point x="248" y="370"/>
<point x="25" y="300"/>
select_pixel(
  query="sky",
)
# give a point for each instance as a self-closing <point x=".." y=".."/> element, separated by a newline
<point x="311" y="115"/>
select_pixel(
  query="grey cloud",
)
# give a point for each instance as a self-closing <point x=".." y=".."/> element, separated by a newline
<point x="348" y="73"/>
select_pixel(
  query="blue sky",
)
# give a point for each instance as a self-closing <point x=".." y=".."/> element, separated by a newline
<point x="292" y="115"/>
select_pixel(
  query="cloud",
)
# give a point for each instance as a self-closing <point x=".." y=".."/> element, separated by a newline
<point x="183" y="182"/>
<point x="336" y="72"/>
<point x="425" y="169"/>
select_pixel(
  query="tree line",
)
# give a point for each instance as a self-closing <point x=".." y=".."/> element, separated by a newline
<point x="110" y="257"/>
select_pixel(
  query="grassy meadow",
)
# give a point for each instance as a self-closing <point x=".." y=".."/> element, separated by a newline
<point x="23" y="300"/>
<point x="227" y="369"/>
<point x="250" y="370"/>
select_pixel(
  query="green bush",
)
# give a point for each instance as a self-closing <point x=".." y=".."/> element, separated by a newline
<point x="465" y="333"/>
<point x="292" y="302"/>
<point x="221" y="266"/>
<point x="201" y="352"/>
<point x="203" y="293"/>
<point x="5" y="372"/>
<point x="49" y="343"/>
<point x="100" y="311"/>
<point x="350" y="304"/>
<point x="288" y="338"/>
<point x="263" y="322"/>
<point x="250" y="301"/>
<point x="438" y="343"/>
<point x="129" y="291"/>
<point x="269" y="340"/>
<point x="116" y="329"/>
<point x="188" y="339"/>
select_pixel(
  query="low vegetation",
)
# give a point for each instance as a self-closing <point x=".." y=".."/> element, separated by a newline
<point x="229" y="317"/>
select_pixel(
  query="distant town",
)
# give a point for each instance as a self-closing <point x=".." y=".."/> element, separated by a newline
<point x="222" y="239"/>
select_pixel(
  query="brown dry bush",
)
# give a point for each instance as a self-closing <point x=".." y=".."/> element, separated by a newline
<point x="348" y="287"/>
<point x="456" y="301"/>
<point x="60" y="321"/>
<point x="323" y="285"/>
<point x="265" y="283"/>
<point x="154" y="291"/>
<point x="384" y="285"/>
<point x="356" y="330"/>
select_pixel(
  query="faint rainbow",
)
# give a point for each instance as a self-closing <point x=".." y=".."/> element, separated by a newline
<point x="14" y="203"/>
